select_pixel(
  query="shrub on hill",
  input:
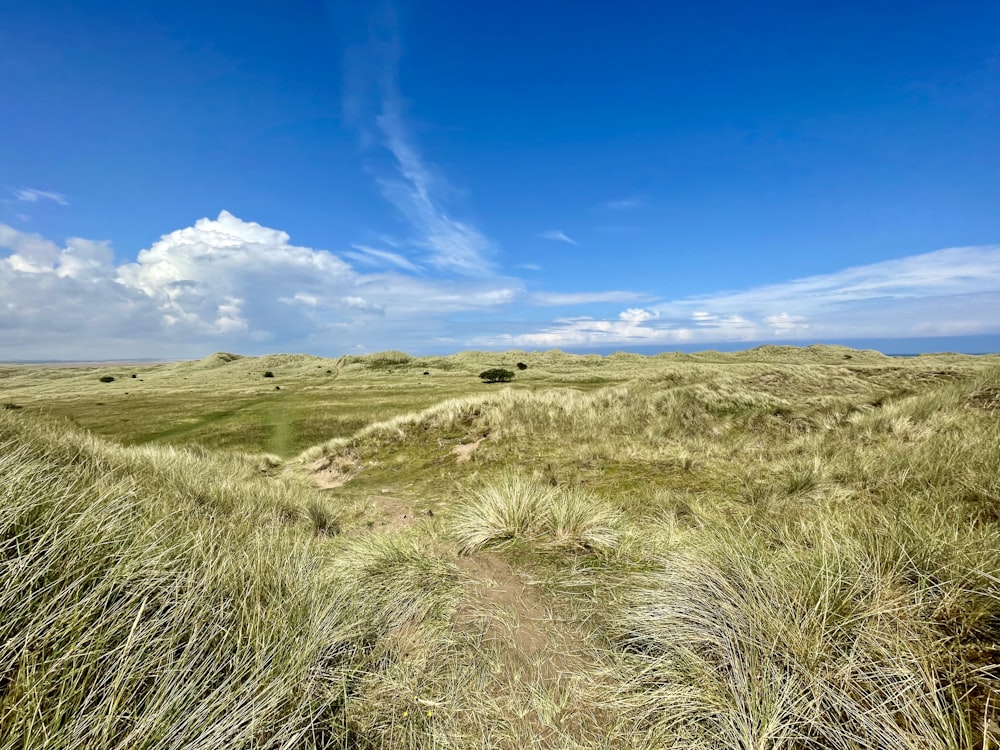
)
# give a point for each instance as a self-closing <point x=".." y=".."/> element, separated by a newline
<point x="521" y="366"/>
<point x="106" y="379"/>
<point x="268" y="374"/>
<point x="497" y="375"/>
<point x="385" y="360"/>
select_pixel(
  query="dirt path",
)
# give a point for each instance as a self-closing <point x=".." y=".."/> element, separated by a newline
<point x="550" y="671"/>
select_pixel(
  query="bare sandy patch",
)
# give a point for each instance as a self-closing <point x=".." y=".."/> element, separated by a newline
<point x="464" y="451"/>
<point x="331" y="472"/>
<point x="397" y="514"/>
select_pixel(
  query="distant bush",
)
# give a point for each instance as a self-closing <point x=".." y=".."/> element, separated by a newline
<point x="268" y="374"/>
<point x="106" y="379"/>
<point x="497" y="375"/>
<point x="521" y="366"/>
<point x="11" y="405"/>
<point x="133" y="375"/>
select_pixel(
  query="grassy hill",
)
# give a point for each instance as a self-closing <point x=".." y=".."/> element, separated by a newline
<point x="780" y="548"/>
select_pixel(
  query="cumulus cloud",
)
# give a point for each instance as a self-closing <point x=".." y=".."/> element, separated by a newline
<point x="221" y="283"/>
<point x="30" y="195"/>
<point x="557" y="235"/>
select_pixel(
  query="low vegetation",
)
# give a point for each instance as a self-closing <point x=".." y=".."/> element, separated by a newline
<point x="784" y="548"/>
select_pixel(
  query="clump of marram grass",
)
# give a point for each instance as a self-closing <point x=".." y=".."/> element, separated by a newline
<point x="515" y="509"/>
<point x="740" y="645"/>
<point x="131" y="619"/>
<point x="393" y="581"/>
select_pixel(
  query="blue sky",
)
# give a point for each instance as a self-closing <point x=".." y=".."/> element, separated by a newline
<point x="178" y="178"/>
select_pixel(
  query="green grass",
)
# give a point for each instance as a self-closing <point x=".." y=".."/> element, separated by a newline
<point x="781" y="548"/>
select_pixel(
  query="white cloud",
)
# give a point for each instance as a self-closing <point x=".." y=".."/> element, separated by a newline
<point x="454" y="246"/>
<point x="556" y="299"/>
<point x="823" y="299"/>
<point x="624" y="204"/>
<point x="360" y="303"/>
<point x="29" y="195"/>
<point x="223" y="283"/>
<point x="557" y="235"/>
<point x="949" y="292"/>
<point x="372" y="256"/>
<point x="636" y="315"/>
<point x="32" y="252"/>
<point x="784" y="323"/>
<point x="373" y="104"/>
<point x="590" y="332"/>
<point x="230" y="284"/>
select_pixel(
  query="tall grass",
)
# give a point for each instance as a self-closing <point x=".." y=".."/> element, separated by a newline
<point x="130" y="617"/>
<point x="743" y="646"/>
<point x="514" y="509"/>
<point x="697" y="555"/>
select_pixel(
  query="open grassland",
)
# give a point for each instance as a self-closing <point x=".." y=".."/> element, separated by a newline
<point x="781" y="548"/>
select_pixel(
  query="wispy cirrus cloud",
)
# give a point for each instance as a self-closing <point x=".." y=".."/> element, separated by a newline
<point x="30" y="195"/>
<point x="557" y="299"/>
<point x="439" y="238"/>
<point x="452" y="245"/>
<point x="557" y="235"/>
<point x="624" y="204"/>
<point x="373" y="256"/>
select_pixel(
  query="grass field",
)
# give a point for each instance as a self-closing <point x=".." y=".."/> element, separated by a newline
<point x="780" y="548"/>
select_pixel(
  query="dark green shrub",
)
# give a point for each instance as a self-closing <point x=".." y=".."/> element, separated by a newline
<point x="497" y="375"/>
<point x="268" y="374"/>
<point x="521" y="366"/>
<point x="11" y="405"/>
<point x="106" y="379"/>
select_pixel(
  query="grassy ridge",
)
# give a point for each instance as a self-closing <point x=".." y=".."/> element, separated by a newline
<point x="778" y="549"/>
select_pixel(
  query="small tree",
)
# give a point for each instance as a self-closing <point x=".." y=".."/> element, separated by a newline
<point x="268" y="374"/>
<point x="521" y="366"/>
<point x="106" y="379"/>
<point x="497" y="375"/>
